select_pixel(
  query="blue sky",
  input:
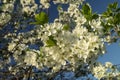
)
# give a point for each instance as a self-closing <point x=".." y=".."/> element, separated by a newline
<point x="113" y="50"/>
<point x="100" y="6"/>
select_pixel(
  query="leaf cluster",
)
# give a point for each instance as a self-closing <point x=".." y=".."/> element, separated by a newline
<point x="112" y="16"/>
<point x="87" y="12"/>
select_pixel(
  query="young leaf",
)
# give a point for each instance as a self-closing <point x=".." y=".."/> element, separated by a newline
<point x="51" y="42"/>
<point x="118" y="9"/>
<point x="41" y="18"/>
<point x="87" y="11"/>
<point x="59" y="7"/>
<point x="113" y="6"/>
<point x="117" y="18"/>
<point x="95" y="16"/>
<point x="66" y="27"/>
<point x="118" y="33"/>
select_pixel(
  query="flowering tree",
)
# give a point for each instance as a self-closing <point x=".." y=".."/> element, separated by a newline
<point x="72" y="42"/>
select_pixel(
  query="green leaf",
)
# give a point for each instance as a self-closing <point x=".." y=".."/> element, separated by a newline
<point x="118" y="33"/>
<point x="87" y="11"/>
<point x="107" y="28"/>
<point x="51" y="42"/>
<point x="95" y="16"/>
<point x="105" y="14"/>
<point x="113" y="5"/>
<point x="41" y="53"/>
<point x="41" y="18"/>
<point x="66" y="27"/>
<point x="111" y="9"/>
<point x="59" y="7"/>
<point x="118" y="9"/>
<point x="117" y="18"/>
<point x="110" y="21"/>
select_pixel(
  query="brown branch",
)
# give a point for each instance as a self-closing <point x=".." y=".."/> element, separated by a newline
<point x="29" y="72"/>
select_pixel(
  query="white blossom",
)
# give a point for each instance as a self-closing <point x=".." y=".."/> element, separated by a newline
<point x="99" y="71"/>
<point x="45" y="3"/>
<point x="108" y="64"/>
<point x="30" y="58"/>
<point x="11" y="46"/>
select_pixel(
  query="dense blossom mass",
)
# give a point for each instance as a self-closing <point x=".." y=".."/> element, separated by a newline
<point x="71" y="39"/>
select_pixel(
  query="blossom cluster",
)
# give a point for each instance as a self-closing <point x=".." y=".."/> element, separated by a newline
<point x="6" y="8"/>
<point x="46" y="3"/>
<point x="28" y="6"/>
<point x="105" y="71"/>
<point x="74" y="44"/>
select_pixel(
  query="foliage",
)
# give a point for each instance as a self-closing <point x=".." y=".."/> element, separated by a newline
<point x="41" y="18"/>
